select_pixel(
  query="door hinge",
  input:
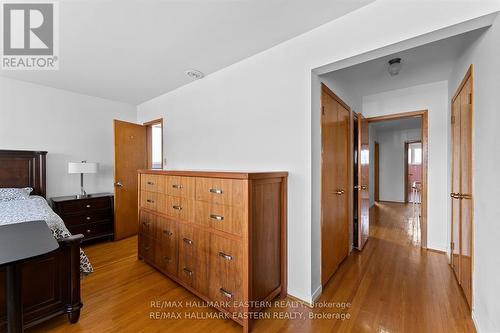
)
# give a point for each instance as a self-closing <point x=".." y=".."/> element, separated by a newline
<point x="452" y="119"/>
<point x="323" y="110"/>
<point x="452" y="246"/>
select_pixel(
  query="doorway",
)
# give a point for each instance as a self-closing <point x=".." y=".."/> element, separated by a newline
<point x="423" y="117"/>
<point x="413" y="171"/>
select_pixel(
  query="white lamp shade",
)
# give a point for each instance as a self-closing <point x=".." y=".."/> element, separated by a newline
<point x="82" y="167"/>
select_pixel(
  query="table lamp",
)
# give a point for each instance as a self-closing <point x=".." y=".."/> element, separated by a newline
<point x="81" y="168"/>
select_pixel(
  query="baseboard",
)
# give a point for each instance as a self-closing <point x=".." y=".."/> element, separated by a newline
<point x="317" y="293"/>
<point x="436" y="251"/>
<point x="301" y="301"/>
<point x="391" y="201"/>
<point x="476" y="324"/>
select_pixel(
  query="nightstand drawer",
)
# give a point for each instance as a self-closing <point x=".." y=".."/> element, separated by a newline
<point x="84" y="205"/>
<point x="87" y="217"/>
<point x="93" y="229"/>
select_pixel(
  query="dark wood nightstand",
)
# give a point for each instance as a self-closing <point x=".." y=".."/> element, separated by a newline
<point x="92" y="216"/>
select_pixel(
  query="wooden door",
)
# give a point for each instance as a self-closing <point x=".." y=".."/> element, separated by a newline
<point x="466" y="189"/>
<point x="335" y="134"/>
<point x="376" y="171"/>
<point x="363" y="177"/>
<point x="130" y="156"/>
<point x="455" y="188"/>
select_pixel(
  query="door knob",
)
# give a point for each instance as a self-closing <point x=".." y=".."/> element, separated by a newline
<point x="118" y="184"/>
<point x="364" y="187"/>
<point x="339" y="192"/>
<point x="455" y="195"/>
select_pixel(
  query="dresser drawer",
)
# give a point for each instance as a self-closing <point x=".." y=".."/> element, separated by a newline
<point x="153" y="201"/>
<point x="146" y="248"/>
<point x="180" y="186"/>
<point x="166" y="258"/>
<point x="224" y="218"/>
<point x="83" y="205"/>
<point x="180" y="208"/>
<point x="92" y="230"/>
<point x="153" y="183"/>
<point x="147" y="224"/>
<point x="91" y="216"/>
<point x="193" y="257"/>
<point x="214" y="190"/>
<point x="166" y="240"/>
<point x="226" y="272"/>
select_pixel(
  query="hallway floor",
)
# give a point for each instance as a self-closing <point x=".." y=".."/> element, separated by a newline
<point x="392" y="286"/>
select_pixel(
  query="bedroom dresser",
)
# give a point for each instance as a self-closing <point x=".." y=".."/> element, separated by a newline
<point x="221" y="235"/>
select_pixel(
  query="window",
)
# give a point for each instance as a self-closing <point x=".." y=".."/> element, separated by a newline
<point x="415" y="153"/>
<point x="155" y="144"/>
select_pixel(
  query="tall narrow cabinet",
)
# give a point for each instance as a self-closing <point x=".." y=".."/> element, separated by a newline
<point x="461" y="186"/>
<point x="221" y="235"/>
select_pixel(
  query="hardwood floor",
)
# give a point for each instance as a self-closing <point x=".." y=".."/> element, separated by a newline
<point x="392" y="286"/>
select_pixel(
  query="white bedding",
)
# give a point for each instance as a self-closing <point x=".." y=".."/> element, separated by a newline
<point x="36" y="209"/>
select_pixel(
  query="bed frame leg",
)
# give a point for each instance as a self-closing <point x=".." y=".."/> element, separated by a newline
<point x="74" y="316"/>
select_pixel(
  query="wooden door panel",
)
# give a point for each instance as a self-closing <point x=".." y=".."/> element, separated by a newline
<point x="130" y="156"/>
<point x="335" y="164"/>
<point x="455" y="188"/>
<point x="363" y="181"/>
<point x="466" y="190"/>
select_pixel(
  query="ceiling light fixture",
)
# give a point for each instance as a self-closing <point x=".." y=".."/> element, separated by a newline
<point x="394" y="66"/>
<point x="194" y="74"/>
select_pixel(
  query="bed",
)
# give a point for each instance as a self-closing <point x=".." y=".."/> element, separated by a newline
<point x="51" y="284"/>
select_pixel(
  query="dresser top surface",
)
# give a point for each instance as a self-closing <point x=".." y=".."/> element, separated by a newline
<point x="217" y="174"/>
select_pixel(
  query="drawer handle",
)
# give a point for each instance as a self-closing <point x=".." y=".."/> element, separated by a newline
<point x="167" y="232"/>
<point x="188" y="241"/>
<point x="188" y="271"/>
<point x="150" y="201"/>
<point x="226" y="293"/>
<point x="225" y="256"/>
<point x="216" y="217"/>
<point x="151" y="183"/>
<point x="215" y="191"/>
<point x="89" y="231"/>
<point x="177" y="186"/>
<point x="146" y="248"/>
<point x="167" y="259"/>
<point x="177" y="207"/>
<point x="88" y="206"/>
<point x="87" y="218"/>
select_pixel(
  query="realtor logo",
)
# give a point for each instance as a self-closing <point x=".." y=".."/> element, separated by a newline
<point x="30" y="35"/>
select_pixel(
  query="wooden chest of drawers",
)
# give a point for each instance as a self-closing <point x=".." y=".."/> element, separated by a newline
<point x="222" y="235"/>
<point x="91" y="216"/>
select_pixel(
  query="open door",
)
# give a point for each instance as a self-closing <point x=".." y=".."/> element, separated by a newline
<point x="130" y="156"/>
<point x="363" y="178"/>
<point x="335" y="185"/>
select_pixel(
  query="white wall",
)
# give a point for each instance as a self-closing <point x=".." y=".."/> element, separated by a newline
<point x="256" y="114"/>
<point x="434" y="98"/>
<point x="70" y="126"/>
<point x="391" y="162"/>
<point x="484" y="55"/>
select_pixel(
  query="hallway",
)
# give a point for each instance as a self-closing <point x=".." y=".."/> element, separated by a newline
<point x="392" y="286"/>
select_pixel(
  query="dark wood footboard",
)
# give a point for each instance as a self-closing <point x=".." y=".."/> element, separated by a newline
<point x="50" y="284"/>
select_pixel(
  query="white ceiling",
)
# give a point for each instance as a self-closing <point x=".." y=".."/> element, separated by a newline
<point x="134" y="50"/>
<point x="428" y="63"/>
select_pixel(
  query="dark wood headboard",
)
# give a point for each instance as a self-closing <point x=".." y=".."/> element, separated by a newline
<point x="22" y="168"/>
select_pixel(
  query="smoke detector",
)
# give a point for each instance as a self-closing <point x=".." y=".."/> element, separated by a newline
<point x="194" y="74"/>
<point x="394" y="66"/>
